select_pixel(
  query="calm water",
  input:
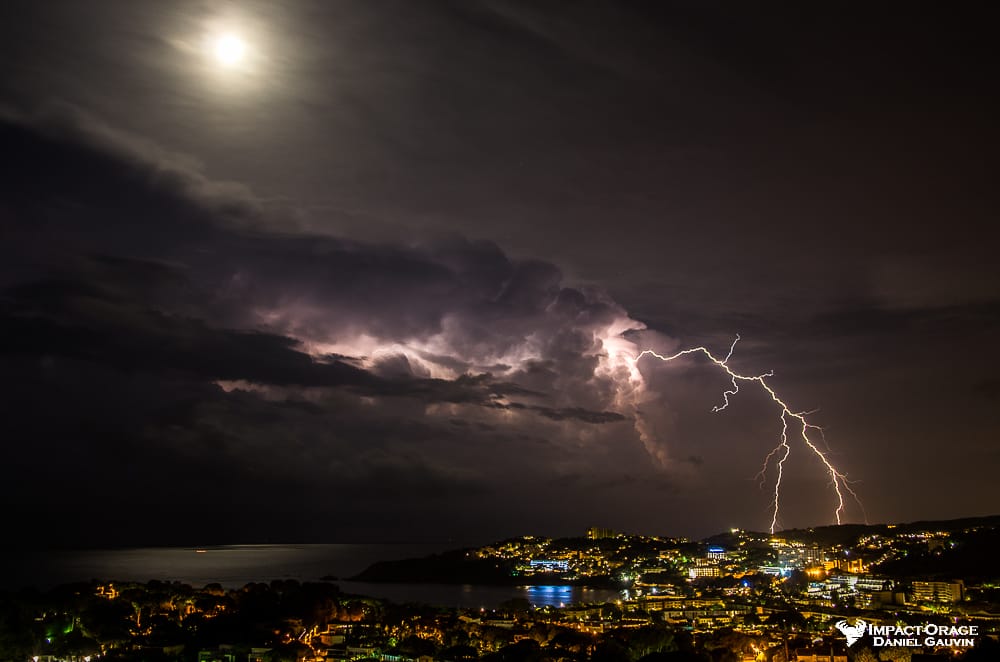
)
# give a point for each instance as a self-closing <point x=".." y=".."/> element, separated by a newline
<point x="474" y="596"/>
<point x="236" y="565"/>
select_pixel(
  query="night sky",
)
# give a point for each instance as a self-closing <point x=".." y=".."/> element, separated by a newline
<point x="378" y="271"/>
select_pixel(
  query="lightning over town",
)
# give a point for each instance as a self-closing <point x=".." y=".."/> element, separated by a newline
<point x="779" y="453"/>
<point x="499" y="331"/>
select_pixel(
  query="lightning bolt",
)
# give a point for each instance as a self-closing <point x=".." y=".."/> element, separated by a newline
<point x="838" y="480"/>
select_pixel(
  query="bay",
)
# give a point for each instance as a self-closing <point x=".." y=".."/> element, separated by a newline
<point x="234" y="566"/>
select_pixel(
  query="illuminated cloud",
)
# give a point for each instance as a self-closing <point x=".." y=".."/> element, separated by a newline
<point x="317" y="358"/>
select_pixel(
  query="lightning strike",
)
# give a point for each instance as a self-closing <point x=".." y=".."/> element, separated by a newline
<point x="780" y="465"/>
<point x="838" y="480"/>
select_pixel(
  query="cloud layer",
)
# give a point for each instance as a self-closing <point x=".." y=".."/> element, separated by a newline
<point x="200" y="356"/>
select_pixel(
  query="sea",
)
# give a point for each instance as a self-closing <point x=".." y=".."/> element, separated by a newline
<point x="234" y="566"/>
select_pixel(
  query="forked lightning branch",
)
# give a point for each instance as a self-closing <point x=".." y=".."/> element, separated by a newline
<point x="779" y="454"/>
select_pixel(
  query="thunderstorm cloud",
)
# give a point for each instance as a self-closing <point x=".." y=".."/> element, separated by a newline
<point x="387" y="282"/>
<point x="186" y="336"/>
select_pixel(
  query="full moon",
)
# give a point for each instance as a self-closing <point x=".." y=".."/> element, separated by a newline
<point x="229" y="50"/>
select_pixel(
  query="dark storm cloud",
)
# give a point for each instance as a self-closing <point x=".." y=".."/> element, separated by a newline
<point x="80" y="326"/>
<point x="88" y="149"/>
<point x="77" y="186"/>
<point x="194" y="344"/>
<point x="146" y="314"/>
<point x="152" y="204"/>
<point x="817" y="179"/>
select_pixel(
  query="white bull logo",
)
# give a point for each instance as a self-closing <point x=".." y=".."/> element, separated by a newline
<point x="852" y="632"/>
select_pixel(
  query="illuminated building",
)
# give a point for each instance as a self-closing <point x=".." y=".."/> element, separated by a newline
<point x="595" y="533"/>
<point x="938" y="591"/>
<point x="221" y="654"/>
<point x="873" y="584"/>
<point x="813" y="556"/>
<point x="851" y="565"/>
<point x="704" y="571"/>
<point x="776" y="570"/>
<point x="820" y="655"/>
<point x="853" y="585"/>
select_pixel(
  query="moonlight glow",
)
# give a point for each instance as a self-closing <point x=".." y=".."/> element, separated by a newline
<point x="229" y="50"/>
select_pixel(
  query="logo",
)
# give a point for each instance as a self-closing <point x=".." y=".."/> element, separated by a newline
<point x="928" y="635"/>
<point x="852" y="632"/>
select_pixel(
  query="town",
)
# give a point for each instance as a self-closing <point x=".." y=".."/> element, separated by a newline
<point x="736" y="597"/>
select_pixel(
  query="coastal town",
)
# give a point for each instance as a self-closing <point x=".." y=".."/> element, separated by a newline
<point x="906" y="592"/>
<point x="499" y="331"/>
